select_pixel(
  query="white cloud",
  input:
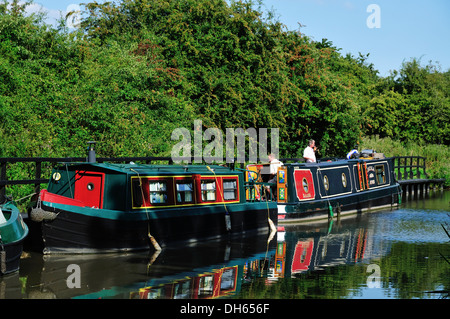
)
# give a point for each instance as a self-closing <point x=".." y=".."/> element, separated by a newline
<point x="51" y="15"/>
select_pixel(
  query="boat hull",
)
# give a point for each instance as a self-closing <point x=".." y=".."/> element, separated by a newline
<point x="388" y="198"/>
<point x="10" y="262"/>
<point x="87" y="230"/>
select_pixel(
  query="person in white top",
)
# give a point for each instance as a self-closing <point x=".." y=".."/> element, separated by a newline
<point x="308" y="153"/>
<point x="274" y="164"/>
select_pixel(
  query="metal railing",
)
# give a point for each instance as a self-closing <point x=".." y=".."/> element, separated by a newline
<point x="409" y="167"/>
<point x="257" y="192"/>
<point x="40" y="168"/>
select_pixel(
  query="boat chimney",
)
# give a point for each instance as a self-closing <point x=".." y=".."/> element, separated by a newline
<point x="91" y="152"/>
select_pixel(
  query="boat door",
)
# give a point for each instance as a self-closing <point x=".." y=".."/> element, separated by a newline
<point x="362" y="176"/>
<point x="89" y="188"/>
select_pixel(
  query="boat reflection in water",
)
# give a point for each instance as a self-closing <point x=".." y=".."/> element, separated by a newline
<point x="314" y="247"/>
<point x="219" y="269"/>
<point x="205" y="270"/>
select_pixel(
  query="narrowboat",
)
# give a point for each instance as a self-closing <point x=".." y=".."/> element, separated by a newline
<point x="95" y="207"/>
<point x="13" y="232"/>
<point x="308" y="192"/>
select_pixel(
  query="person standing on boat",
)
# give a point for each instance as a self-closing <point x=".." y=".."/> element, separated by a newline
<point x="308" y="153"/>
<point x="273" y="169"/>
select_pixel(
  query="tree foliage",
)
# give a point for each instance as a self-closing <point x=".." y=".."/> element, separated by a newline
<point x="412" y="104"/>
<point x="137" y="69"/>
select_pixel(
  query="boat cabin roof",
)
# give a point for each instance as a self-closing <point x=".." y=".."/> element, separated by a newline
<point x="152" y="169"/>
<point x="330" y="163"/>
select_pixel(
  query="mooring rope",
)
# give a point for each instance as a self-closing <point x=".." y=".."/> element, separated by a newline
<point x="330" y="208"/>
<point x="227" y="214"/>
<point x="271" y="224"/>
<point x="20" y="199"/>
<point x="150" y="236"/>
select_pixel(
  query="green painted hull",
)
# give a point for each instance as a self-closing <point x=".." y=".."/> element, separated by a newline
<point x="88" y="230"/>
<point x="91" y="208"/>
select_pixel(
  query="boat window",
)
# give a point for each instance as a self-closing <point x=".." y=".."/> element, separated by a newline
<point x="344" y="180"/>
<point x="206" y="286"/>
<point x="158" y="192"/>
<point x="305" y="185"/>
<point x="326" y="183"/>
<point x="182" y="289"/>
<point x="381" y="176"/>
<point x="229" y="189"/>
<point x="227" y="281"/>
<point x="184" y="192"/>
<point x="208" y="190"/>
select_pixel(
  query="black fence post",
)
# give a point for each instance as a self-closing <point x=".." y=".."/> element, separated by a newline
<point x="405" y="168"/>
<point x="37" y="186"/>
<point x="3" y="178"/>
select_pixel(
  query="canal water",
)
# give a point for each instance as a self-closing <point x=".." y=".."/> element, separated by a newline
<point x="395" y="254"/>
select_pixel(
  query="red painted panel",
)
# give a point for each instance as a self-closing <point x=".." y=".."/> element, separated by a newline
<point x="58" y="199"/>
<point x="302" y="256"/>
<point x="89" y="188"/>
<point x="299" y="176"/>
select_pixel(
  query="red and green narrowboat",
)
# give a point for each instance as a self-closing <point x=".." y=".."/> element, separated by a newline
<point x="313" y="191"/>
<point x="13" y="232"/>
<point x="104" y="207"/>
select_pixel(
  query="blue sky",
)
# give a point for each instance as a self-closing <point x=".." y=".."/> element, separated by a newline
<point x="407" y="28"/>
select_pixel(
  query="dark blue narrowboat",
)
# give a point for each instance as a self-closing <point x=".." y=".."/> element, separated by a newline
<point x="308" y="192"/>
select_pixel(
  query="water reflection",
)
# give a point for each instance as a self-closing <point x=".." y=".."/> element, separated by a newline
<point x="207" y="270"/>
<point x="408" y="246"/>
<point x="327" y="260"/>
<point x="312" y="248"/>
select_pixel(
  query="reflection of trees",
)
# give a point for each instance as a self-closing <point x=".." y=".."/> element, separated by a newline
<point x="412" y="269"/>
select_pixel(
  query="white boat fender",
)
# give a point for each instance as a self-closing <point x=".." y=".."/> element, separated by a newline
<point x="2" y="218"/>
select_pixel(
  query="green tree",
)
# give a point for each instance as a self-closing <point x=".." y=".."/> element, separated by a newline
<point x="135" y="70"/>
<point x="412" y="104"/>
